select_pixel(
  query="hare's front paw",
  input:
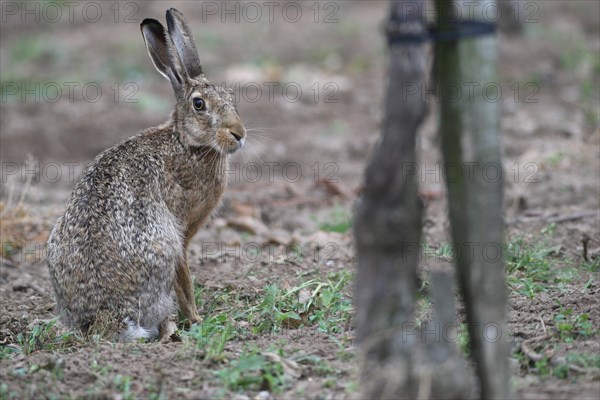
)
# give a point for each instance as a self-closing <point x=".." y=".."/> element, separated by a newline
<point x="195" y="319"/>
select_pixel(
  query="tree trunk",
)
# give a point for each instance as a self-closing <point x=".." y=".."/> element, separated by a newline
<point x="512" y="14"/>
<point x="469" y="129"/>
<point x="387" y="226"/>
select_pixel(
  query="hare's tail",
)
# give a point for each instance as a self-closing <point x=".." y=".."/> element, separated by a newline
<point x="134" y="332"/>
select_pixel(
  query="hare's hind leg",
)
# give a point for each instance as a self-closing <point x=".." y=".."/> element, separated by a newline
<point x="185" y="292"/>
<point x="134" y="331"/>
<point x="153" y="311"/>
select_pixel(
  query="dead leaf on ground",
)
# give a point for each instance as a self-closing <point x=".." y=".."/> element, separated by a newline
<point x="278" y="237"/>
<point x="248" y="224"/>
<point x="290" y="368"/>
<point x="334" y="188"/>
<point x="243" y="209"/>
<point x="304" y="296"/>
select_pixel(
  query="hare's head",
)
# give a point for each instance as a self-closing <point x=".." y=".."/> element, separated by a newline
<point x="205" y="114"/>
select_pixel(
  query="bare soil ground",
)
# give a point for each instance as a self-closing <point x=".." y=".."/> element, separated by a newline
<point x="274" y="268"/>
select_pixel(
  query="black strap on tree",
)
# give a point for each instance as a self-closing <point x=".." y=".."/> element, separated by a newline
<point x="452" y="30"/>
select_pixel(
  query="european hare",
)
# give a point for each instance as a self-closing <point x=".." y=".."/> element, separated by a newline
<point x="120" y="247"/>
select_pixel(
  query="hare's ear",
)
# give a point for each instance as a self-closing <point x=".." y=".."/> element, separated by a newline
<point x="156" y="43"/>
<point x="182" y="38"/>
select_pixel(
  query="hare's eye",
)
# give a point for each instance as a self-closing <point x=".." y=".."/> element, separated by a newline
<point x="199" y="104"/>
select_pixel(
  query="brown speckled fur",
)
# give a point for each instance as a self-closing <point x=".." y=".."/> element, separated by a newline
<point x="121" y="245"/>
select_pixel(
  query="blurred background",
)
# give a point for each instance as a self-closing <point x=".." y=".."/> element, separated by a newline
<point x="237" y="42"/>
<point x="76" y="79"/>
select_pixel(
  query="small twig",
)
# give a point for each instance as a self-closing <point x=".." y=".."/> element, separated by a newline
<point x="585" y="240"/>
<point x="543" y="326"/>
<point x="577" y="369"/>
<point x="572" y="217"/>
<point x="553" y="217"/>
<point x="299" y="202"/>
<point x="572" y="367"/>
<point x="537" y="339"/>
<point x="294" y="262"/>
<point x="531" y="354"/>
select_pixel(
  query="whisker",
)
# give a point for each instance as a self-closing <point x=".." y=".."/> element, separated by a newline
<point x="257" y="138"/>
<point x="252" y="153"/>
<point x="258" y="128"/>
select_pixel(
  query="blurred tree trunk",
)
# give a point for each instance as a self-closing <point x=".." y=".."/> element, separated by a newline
<point x="397" y="359"/>
<point x="469" y="129"/>
<point x="387" y="225"/>
<point x="512" y="15"/>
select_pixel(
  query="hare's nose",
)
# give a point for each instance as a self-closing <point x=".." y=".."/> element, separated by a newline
<point x="238" y="136"/>
<point x="238" y="132"/>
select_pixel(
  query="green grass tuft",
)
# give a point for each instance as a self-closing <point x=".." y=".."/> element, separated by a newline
<point x="253" y="371"/>
<point x="339" y="221"/>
